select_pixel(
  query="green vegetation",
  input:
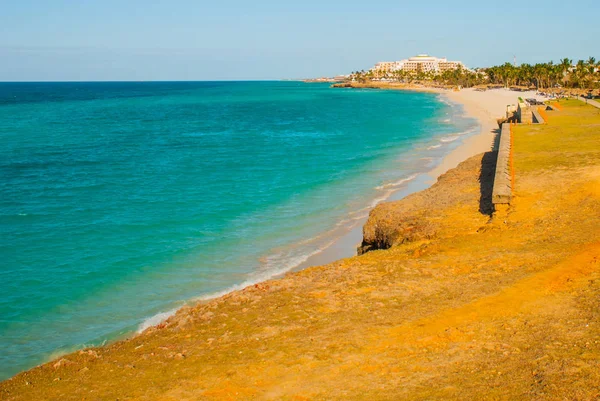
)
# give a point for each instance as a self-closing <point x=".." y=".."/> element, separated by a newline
<point x="585" y="74"/>
<point x="459" y="76"/>
<point x="563" y="143"/>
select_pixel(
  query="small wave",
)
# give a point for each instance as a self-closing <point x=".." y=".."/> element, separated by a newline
<point x="268" y="272"/>
<point x="444" y="99"/>
<point x="359" y="212"/>
<point x="376" y="201"/>
<point x="156" y="319"/>
<point x="434" y="147"/>
<point x="286" y="261"/>
<point x="388" y="192"/>
<point x="447" y="139"/>
<point x="396" y="183"/>
<point x="469" y="131"/>
<point x="354" y="217"/>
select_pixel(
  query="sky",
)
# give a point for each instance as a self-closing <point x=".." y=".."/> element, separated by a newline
<point x="86" y="40"/>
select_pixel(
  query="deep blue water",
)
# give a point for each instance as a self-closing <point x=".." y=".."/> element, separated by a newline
<point x="119" y="201"/>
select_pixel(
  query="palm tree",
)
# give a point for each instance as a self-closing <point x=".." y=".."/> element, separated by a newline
<point x="556" y="75"/>
<point x="591" y="62"/>
<point x="565" y="66"/>
<point x="595" y="72"/>
<point x="591" y="65"/>
<point x="581" y="74"/>
<point x="548" y="73"/>
<point x="585" y="74"/>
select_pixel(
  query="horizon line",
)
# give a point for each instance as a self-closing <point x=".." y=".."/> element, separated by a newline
<point x="156" y="80"/>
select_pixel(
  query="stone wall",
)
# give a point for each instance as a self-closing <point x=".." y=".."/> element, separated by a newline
<point x="537" y="117"/>
<point x="502" y="191"/>
<point x="524" y="113"/>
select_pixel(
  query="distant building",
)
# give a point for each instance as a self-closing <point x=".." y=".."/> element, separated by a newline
<point x="385" y="66"/>
<point x="419" y="63"/>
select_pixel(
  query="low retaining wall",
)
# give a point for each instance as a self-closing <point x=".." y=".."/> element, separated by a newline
<point x="524" y="114"/>
<point x="502" y="191"/>
<point x="537" y="117"/>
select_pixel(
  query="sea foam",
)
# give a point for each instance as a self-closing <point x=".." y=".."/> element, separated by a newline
<point x="396" y="183"/>
<point x="447" y="139"/>
<point x="155" y="320"/>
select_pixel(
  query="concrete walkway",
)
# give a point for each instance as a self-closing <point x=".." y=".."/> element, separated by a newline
<point x="590" y="102"/>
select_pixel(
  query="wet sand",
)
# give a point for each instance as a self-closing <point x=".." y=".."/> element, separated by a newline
<point x="486" y="107"/>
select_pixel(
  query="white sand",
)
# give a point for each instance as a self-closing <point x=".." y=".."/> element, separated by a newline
<point x="486" y="107"/>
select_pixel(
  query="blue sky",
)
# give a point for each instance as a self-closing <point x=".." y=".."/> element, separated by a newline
<point x="234" y="39"/>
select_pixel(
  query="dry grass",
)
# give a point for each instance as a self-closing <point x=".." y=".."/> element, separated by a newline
<point x="475" y="309"/>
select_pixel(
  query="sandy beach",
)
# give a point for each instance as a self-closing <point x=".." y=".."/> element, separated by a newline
<point x="486" y="107"/>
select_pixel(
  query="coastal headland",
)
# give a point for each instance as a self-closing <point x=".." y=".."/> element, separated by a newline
<point x="452" y="301"/>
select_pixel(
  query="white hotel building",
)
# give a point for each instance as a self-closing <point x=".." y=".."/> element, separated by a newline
<point x="420" y="63"/>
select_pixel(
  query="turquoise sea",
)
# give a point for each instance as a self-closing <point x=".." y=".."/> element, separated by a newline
<point x="121" y="201"/>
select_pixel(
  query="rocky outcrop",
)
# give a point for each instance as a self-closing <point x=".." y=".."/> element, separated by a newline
<point x="427" y="214"/>
<point x="343" y="85"/>
<point x="387" y="228"/>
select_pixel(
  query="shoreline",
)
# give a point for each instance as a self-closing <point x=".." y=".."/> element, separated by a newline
<point x="450" y="293"/>
<point x="336" y="243"/>
<point x="345" y="245"/>
<point x="342" y="242"/>
<point x="334" y="248"/>
<point x="480" y="106"/>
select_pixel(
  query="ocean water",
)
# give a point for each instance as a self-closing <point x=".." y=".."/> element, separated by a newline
<point x="121" y="201"/>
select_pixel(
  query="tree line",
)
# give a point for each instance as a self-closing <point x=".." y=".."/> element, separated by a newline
<point x="585" y="74"/>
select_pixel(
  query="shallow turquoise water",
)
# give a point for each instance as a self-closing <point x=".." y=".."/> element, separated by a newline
<point x="119" y="201"/>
